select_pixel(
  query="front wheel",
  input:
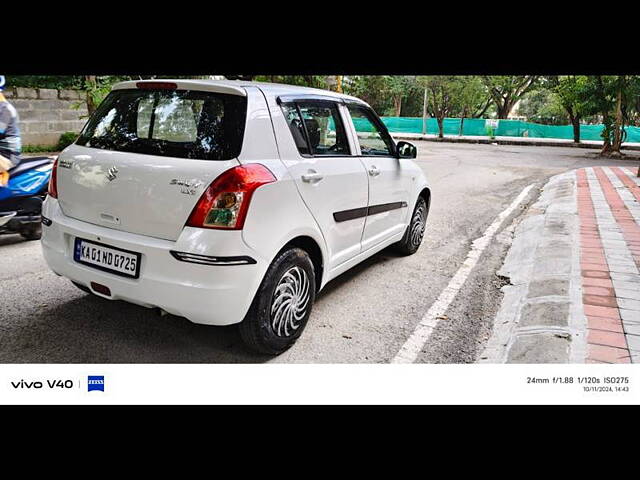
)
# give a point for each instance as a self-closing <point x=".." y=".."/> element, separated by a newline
<point x="282" y="305"/>
<point x="414" y="233"/>
<point x="32" y="233"/>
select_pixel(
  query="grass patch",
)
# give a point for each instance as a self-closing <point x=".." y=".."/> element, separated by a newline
<point x="38" y="148"/>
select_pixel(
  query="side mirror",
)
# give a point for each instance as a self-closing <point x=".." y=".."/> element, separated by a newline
<point x="406" y="150"/>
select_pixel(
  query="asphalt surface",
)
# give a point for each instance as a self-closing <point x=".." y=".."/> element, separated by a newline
<point x="364" y="316"/>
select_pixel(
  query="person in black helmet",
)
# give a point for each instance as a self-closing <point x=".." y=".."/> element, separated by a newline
<point x="10" y="143"/>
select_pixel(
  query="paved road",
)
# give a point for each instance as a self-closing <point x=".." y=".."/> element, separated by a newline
<point x="363" y="316"/>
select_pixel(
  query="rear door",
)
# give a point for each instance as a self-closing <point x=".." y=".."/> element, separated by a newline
<point x="146" y="155"/>
<point x="332" y="182"/>
<point x="389" y="184"/>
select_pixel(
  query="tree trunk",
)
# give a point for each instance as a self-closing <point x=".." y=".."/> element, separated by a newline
<point x="424" y="113"/>
<point x="440" y="127"/>
<point x="617" y="133"/>
<point x="397" y="103"/>
<point x="464" y="114"/>
<point x="504" y="110"/>
<point x="606" y="145"/>
<point x="481" y="112"/>
<point x="575" y="121"/>
<point x="91" y="106"/>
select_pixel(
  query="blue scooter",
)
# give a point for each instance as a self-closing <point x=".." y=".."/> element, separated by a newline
<point x="21" y="200"/>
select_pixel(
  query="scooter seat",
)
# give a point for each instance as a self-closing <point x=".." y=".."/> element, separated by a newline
<point x="29" y="163"/>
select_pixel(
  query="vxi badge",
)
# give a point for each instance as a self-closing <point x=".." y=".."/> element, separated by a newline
<point x="95" y="382"/>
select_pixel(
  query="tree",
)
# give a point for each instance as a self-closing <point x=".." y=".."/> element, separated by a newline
<point x="610" y="97"/>
<point x="473" y="99"/>
<point x="398" y="86"/>
<point x="97" y="87"/>
<point x="572" y="91"/>
<point x="543" y="106"/>
<point x="506" y="91"/>
<point x="444" y="93"/>
<point x="314" y="81"/>
<point x="376" y="90"/>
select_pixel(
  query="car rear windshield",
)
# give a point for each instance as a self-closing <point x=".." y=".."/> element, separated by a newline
<point x="170" y="123"/>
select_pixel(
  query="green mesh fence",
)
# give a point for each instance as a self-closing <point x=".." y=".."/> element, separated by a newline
<point x="506" y="128"/>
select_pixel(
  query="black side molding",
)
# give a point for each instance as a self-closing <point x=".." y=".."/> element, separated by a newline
<point x="345" y="215"/>
<point x="385" y="207"/>
<point x="354" y="213"/>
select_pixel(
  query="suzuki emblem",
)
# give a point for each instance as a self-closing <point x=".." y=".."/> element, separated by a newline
<point x="112" y="173"/>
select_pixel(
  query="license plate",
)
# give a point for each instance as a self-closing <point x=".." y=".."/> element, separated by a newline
<point x="106" y="258"/>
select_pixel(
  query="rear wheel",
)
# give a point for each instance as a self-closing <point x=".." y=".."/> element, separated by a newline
<point x="282" y="305"/>
<point x="415" y="230"/>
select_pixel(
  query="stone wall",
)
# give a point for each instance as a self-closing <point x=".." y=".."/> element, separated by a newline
<point x="45" y="113"/>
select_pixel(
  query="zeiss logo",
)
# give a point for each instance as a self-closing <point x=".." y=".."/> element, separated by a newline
<point x="95" y="382"/>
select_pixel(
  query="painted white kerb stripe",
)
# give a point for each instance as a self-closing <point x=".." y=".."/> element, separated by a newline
<point x="412" y="347"/>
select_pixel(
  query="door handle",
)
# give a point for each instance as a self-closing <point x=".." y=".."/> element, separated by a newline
<point x="312" y="177"/>
<point x="373" y="171"/>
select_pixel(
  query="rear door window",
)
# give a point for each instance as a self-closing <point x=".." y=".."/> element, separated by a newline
<point x="172" y="123"/>
<point x="317" y="128"/>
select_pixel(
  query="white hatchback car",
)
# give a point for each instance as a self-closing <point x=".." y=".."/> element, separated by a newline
<point x="228" y="201"/>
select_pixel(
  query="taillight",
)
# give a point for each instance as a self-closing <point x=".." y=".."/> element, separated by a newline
<point x="225" y="203"/>
<point x="53" y="181"/>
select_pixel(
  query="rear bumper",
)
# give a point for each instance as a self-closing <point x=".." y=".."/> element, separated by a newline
<point x="207" y="294"/>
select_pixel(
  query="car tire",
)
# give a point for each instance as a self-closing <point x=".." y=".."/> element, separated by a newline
<point x="414" y="233"/>
<point x="282" y="305"/>
<point x="34" y="233"/>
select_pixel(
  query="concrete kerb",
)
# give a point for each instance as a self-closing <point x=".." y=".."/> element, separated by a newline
<point x="541" y="319"/>
<point x="507" y="141"/>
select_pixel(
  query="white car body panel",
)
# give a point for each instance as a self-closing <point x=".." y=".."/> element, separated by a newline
<point x="145" y="214"/>
<point x="215" y="295"/>
<point x="343" y="187"/>
<point x="141" y="199"/>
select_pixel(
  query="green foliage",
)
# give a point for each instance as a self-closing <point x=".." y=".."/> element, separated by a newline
<point x="473" y="97"/>
<point x="543" y="106"/>
<point x="313" y="81"/>
<point x="506" y="90"/>
<point x="66" y="139"/>
<point x="45" y="81"/>
<point x="445" y="93"/>
<point x="377" y="90"/>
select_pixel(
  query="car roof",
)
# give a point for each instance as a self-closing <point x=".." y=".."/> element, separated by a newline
<point x="237" y="87"/>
